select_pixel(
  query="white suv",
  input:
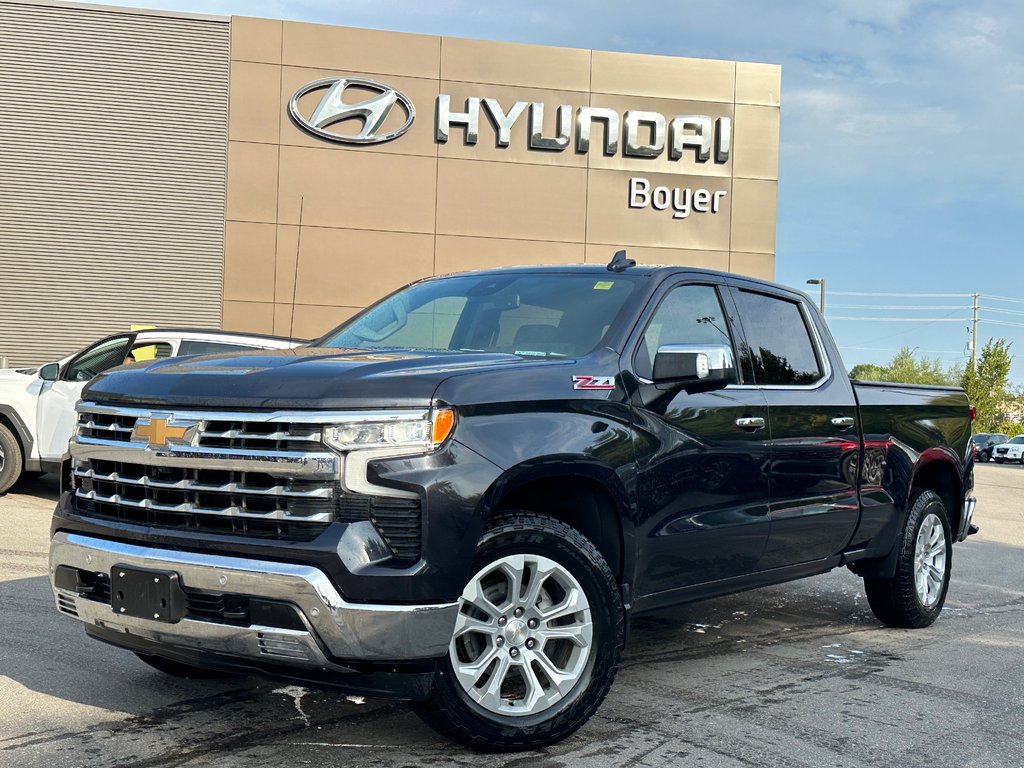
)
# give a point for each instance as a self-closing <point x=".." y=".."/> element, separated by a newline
<point x="1010" y="451"/>
<point x="37" y="406"/>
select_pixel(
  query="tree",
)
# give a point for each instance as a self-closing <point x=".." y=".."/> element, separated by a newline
<point x="907" y="369"/>
<point x="987" y="387"/>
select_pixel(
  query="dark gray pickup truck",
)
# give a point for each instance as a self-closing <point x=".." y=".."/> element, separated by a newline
<point x="461" y="496"/>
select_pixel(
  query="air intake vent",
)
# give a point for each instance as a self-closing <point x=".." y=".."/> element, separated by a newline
<point x="66" y="604"/>
<point x="282" y="646"/>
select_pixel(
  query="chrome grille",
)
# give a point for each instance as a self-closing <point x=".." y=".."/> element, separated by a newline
<point x="261" y="435"/>
<point x="262" y="475"/>
<point x="107" y="426"/>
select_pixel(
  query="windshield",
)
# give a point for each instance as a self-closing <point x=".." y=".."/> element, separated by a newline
<point x="1018" y="440"/>
<point x="532" y="315"/>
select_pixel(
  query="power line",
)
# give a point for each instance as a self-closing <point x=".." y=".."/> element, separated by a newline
<point x="907" y="306"/>
<point x="905" y="319"/>
<point x="1000" y="322"/>
<point x="1002" y="298"/>
<point x="879" y="293"/>
<point x="958" y="353"/>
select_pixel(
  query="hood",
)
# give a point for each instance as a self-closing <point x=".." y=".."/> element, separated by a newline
<point x="304" y="377"/>
<point x="17" y="374"/>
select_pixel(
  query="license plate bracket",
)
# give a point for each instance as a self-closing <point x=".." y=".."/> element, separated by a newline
<point x="146" y="593"/>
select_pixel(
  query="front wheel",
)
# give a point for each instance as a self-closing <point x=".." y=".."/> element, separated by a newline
<point x="10" y="459"/>
<point x="536" y="643"/>
<point x="915" y="596"/>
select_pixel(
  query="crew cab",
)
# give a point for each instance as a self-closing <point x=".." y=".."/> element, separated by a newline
<point x="37" y="405"/>
<point x="461" y="496"/>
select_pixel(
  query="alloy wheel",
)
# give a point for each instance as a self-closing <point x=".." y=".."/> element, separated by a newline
<point x="930" y="561"/>
<point x="523" y="635"/>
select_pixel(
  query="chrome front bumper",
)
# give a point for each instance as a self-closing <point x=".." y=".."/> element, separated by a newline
<point x="334" y="628"/>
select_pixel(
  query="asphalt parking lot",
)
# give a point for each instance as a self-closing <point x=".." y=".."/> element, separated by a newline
<point x="798" y="675"/>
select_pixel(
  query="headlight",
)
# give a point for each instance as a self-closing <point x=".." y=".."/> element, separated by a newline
<point x="391" y="429"/>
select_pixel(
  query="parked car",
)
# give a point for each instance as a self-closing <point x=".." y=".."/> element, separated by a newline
<point x="985" y="443"/>
<point x="461" y="496"/>
<point x="1011" y="450"/>
<point x="37" y="405"/>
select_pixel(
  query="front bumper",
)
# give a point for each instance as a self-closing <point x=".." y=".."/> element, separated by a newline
<point x="335" y="632"/>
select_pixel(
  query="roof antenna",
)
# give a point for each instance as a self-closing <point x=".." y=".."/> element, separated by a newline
<point x="620" y="263"/>
<point x="295" y="277"/>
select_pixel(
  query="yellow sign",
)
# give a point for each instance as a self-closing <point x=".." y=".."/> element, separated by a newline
<point x="603" y="285"/>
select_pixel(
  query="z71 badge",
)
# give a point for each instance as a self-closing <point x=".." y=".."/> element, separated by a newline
<point x="593" y="382"/>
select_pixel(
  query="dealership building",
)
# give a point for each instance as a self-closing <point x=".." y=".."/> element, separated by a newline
<point x="272" y="176"/>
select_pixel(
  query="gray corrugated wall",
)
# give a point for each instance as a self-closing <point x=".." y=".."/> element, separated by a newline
<point x="113" y="150"/>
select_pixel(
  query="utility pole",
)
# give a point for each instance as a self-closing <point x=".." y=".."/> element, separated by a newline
<point x="821" y="303"/>
<point x="974" y="336"/>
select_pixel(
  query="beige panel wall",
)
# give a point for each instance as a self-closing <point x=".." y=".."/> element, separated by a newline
<point x="377" y="216"/>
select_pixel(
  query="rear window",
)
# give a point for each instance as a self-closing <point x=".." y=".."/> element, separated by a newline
<point x="779" y="349"/>
<point x="199" y="347"/>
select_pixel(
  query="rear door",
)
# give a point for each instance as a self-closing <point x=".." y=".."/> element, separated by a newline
<point x="702" y="485"/>
<point x="815" y="437"/>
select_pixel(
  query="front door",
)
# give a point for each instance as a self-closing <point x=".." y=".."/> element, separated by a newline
<point x="702" y="459"/>
<point x="815" y="443"/>
<point x="55" y="409"/>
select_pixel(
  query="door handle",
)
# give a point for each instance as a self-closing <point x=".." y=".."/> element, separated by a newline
<point x="843" y="422"/>
<point x="750" y="422"/>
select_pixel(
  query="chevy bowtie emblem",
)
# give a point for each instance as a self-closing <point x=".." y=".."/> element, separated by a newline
<point x="158" y="433"/>
<point x="333" y="108"/>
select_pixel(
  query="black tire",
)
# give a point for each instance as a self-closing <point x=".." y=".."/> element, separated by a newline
<point x="896" y="601"/>
<point x="985" y="456"/>
<point x="450" y="710"/>
<point x="11" y="460"/>
<point x="180" y="669"/>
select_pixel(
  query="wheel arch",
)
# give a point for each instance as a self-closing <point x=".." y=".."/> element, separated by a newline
<point x="587" y="495"/>
<point x="10" y="419"/>
<point x="937" y="472"/>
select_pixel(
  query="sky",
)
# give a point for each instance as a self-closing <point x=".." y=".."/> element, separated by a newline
<point x="901" y="160"/>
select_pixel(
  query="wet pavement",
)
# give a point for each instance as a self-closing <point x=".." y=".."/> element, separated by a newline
<point x="796" y="675"/>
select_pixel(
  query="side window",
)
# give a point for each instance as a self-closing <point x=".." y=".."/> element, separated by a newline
<point x="689" y="314"/>
<point x="779" y="349"/>
<point x="199" y="347"/>
<point x="98" y="359"/>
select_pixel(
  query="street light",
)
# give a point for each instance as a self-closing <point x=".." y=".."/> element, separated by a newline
<point x="819" y="281"/>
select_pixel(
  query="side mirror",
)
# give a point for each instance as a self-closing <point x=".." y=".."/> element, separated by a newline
<point x="49" y="372"/>
<point x="694" y="367"/>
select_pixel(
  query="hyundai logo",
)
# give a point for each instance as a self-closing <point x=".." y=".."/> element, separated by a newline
<point x="333" y="108"/>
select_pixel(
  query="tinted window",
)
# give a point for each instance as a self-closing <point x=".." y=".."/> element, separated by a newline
<point x="779" y="348"/>
<point x="194" y="347"/>
<point x="101" y="357"/>
<point x="533" y="315"/>
<point x="689" y="314"/>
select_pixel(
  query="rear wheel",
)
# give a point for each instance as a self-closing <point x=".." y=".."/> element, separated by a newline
<point x="537" y="640"/>
<point x="915" y="596"/>
<point x="180" y="669"/>
<point x="10" y="459"/>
